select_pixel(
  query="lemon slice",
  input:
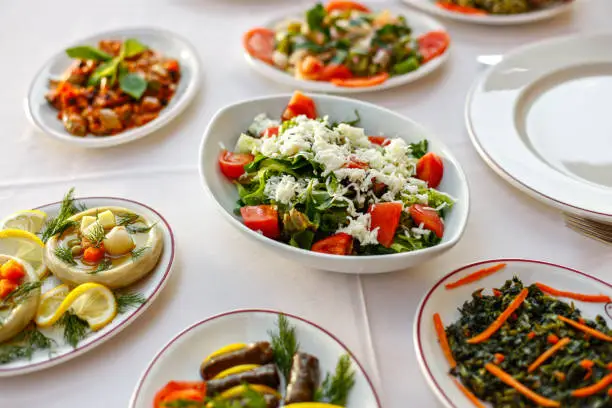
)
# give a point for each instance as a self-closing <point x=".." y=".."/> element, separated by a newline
<point x="27" y="220"/>
<point x="239" y="391"/>
<point x="50" y="301"/>
<point x="92" y="302"/>
<point x="26" y="246"/>
<point x="236" y="370"/>
<point x="225" y="349"/>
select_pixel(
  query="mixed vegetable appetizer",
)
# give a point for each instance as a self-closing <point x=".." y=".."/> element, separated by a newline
<point x="331" y="188"/>
<point x="249" y="375"/>
<point x="482" y="7"/>
<point x="524" y="347"/>
<point x="117" y="86"/>
<point x="345" y="43"/>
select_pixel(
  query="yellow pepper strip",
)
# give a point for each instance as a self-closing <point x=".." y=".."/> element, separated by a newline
<point x="236" y="370"/>
<point x="224" y="350"/>
<point x="239" y="390"/>
<point x="312" y="405"/>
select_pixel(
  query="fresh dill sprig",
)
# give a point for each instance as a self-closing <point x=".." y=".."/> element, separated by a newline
<point x="126" y="301"/>
<point x="137" y="253"/>
<point x="20" y="294"/>
<point x="95" y="234"/>
<point x="75" y="328"/>
<point x="127" y="219"/>
<point x="24" y="345"/>
<point x="284" y="344"/>
<point x="335" y="389"/>
<point x="135" y="229"/>
<point x="65" y="254"/>
<point x="60" y="223"/>
<point x="104" y="265"/>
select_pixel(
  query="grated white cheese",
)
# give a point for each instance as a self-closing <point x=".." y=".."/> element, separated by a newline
<point x="283" y="189"/>
<point x="262" y="122"/>
<point x="359" y="228"/>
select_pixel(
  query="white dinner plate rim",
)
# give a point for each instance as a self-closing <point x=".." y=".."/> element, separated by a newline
<point x="492" y="20"/>
<point x="165" y="116"/>
<point x="133" y="315"/>
<point x="514" y="181"/>
<point x="281" y="246"/>
<point x="281" y="77"/>
<point x="431" y="381"/>
<point x="193" y="326"/>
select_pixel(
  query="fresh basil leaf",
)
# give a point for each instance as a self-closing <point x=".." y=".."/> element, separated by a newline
<point x="132" y="47"/>
<point x="106" y="69"/>
<point x="86" y="52"/>
<point x="302" y="239"/>
<point x="419" y="149"/>
<point x="133" y="84"/>
<point x="315" y="17"/>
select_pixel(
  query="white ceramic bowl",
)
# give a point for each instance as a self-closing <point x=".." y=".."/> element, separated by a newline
<point x="44" y="116"/>
<point x="230" y="121"/>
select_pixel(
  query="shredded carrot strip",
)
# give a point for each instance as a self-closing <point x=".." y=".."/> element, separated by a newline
<point x="443" y="340"/>
<point x="501" y="319"/>
<point x="509" y="380"/>
<point x="548" y="353"/>
<point x="469" y="394"/>
<point x="593" y="389"/>
<point x="585" y="328"/>
<point x="573" y="295"/>
<point x="473" y="277"/>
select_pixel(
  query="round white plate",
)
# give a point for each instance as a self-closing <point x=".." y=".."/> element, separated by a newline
<point x="149" y="287"/>
<point x="540" y="119"/>
<point x="492" y="19"/>
<point x="229" y="122"/>
<point x="446" y="302"/>
<point x="180" y="358"/>
<point x="419" y="23"/>
<point x="44" y="116"/>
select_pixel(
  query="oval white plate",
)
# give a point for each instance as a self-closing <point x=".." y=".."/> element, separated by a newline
<point x="149" y="287"/>
<point x="539" y="118"/>
<point x="446" y="302"/>
<point x="180" y="358"/>
<point x="491" y="19"/>
<point x="44" y="116"/>
<point x="419" y="23"/>
<point x="229" y="122"/>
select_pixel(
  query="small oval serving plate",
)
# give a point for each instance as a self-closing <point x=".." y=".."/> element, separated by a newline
<point x="229" y="122"/>
<point x="420" y="24"/>
<point x="446" y="302"/>
<point x="180" y="358"/>
<point x="44" y="116"/>
<point x="149" y="287"/>
<point x="492" y="19"/>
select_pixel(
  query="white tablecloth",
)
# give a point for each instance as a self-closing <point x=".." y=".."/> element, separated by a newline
<point x="218" y="269"/>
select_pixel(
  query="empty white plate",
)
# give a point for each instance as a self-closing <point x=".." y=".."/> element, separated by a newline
<point x="447" y="302"/>
<point x="419" y="23"/>
<point x="180" y="359"/>
<point x="44" y="116"/>
<point x="492" y="19"/>
<point x="149" y="287"/>
<point x="541" y="119"/>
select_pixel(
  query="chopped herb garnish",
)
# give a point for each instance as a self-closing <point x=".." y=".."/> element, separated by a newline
<point x="137" y="253"/>
<point x="284" y="344"/>
<point x="95" y="234"/>
<point x="126" y="219"/>
<point x="75" y="328"/>
<point x="335" y="389"/>
<point x="130" y="300"/>
<point x="24" y="345"/>
<point x="20" y="294"/>
<point x="65" y="254"/>
<point x="137" y="229"/>
<point x="104" y="265"/>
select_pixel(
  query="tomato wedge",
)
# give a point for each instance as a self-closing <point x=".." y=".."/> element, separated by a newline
<point x="385" y="217"/>
<point x="180" y="390"/>
<point x="269" y="132"/>
<point x="310" y="68"/>
<point x="262" y="218"/>
<point x="356" y="164"/>
<point x="338" y="244"/>
<point x="300" y="104"/>
<point x="335" y="71"/>
<point x="343" y="5"/>
<point x="361" y="82"/>
<point x="460" y="9"/>
<point x="430" y="168"/>
<point x="428" y="217"/>
<point x="232" y="164"/>
<point x="433" y="44"/>
<point x="259" y="43"/>
<point x="379" y="140"/>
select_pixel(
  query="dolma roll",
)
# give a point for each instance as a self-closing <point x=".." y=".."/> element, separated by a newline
<point x="256" y="353"/>
<point x="304" y="378"/>
<point x="264" y="375"/>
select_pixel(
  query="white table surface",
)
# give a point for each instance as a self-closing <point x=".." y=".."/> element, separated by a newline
<point x="217" y="269"/>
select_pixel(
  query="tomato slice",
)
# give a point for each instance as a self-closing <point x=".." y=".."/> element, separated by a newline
<point x="232" y="164"/>
<point x="262" y="218"/>
<point x="433" y="44"/>
<point x="180" y="390"/>
<point x="430" y="169"/>
<point x="428" y="217"/>
<point x="269" y="132"/>
<point x="338" y="244"/>
<point x="356" y="164"/>
<point x="300" y="104"/>
<point x="379" y="140"/>
<point x="361" y="82"/>
<point x="343" y="5"/>
<point x="460" y="9"/>
<point x="335" y="71"/>
<point x="385" y="217"/>
<point x="259" y="43"/>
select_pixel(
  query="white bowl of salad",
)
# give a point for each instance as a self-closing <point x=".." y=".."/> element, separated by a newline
<point x="334" y="183"/>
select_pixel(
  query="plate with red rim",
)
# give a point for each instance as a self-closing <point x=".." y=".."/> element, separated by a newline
<point x="430" y="6"/>
<point x="420" y="24"/>
<point x="446" y="302"/>
<point x="180" y="358"/>
<point x="149" y="287"/>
